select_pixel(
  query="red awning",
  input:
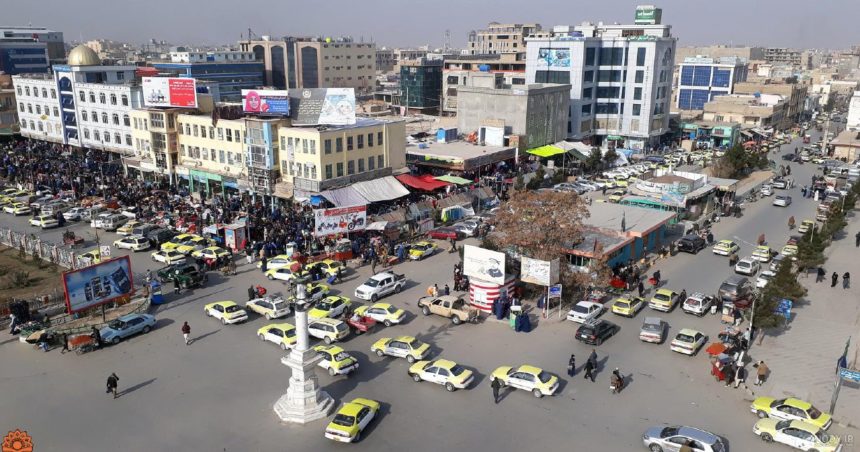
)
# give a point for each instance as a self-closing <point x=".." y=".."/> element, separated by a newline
<point x="424" y="182"/>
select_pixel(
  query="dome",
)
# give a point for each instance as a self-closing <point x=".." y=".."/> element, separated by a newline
<point x="83" y="56"/>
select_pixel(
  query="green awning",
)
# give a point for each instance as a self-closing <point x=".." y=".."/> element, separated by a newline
<point x="453" y="179"/>
<point x="546" y="151"/>
<point x="614" y="137"/>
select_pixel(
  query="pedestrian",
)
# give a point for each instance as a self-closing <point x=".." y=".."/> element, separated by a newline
<point x="13" y="322"/>
<point x="761" y="373"/>
<point x="571" y="366"/>
<point x="112" y="383"/>
<point x="263" y="264"/>
<point x="251" y="293"/>
<point x="435" y="290"/>
<point x="496" y="385"/>
<point x="834" y="278"/>
<point x="740" y="377"/>
<point x="97" y="336"/>
<point x="186" y="332"/>
<point x="176" y="288"/>
<point x="592" y="358"/>
<point x="819" y="276"/>
<point x="589" y="369"/>
<point x="686" y="447"/>
<point x="846" y="280"/>
<point x="65" y="344"/>
<point x="446" y="290"/>
<point x="641" y="288"/>
<point x="737" y="316"/>
<point x="373" y="265"/>
<point x="857" y="240"/>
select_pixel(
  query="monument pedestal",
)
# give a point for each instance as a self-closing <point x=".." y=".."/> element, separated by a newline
<point x="304" y="401"/>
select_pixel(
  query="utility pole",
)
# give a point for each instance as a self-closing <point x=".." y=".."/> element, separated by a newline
<point x="842" y="363"/>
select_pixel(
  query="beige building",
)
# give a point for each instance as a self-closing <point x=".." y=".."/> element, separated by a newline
<point x="846" y="145"/>
<point x="154" y="132"/>
<point x="500" y="38"/>
<point x="8" y="106"/>
<point x="458" y="71"/>
<point x="318" y="158"/>
<point x="765" y="111"/>
<point x="793" y="93"/>
<point x="719" y="51"/>
<point x="292" y="63"/>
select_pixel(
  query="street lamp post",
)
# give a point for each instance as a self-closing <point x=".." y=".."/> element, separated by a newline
<point x="303" y="402"/>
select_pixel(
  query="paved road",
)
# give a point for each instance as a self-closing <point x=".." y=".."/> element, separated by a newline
<point x="217" y="394"/>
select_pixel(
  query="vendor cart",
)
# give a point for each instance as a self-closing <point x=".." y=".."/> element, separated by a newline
<point x="343" y="250"/>
<point x="69" y="238"/>
<point x="361" y="324"/>
<point x="82" y="343"/>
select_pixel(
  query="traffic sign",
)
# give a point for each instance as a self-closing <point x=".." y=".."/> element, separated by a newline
<point x="555" y="291"/>
<point x="784" y="308"/>
<point x="850" y="375"/>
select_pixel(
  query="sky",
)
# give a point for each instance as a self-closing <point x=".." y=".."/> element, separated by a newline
<point x="401" y="23"/>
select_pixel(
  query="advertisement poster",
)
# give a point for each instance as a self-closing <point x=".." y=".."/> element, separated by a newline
<point x="169" y="92"/>
<point x="553" y="58"/>
<point x="266" y="101"/>
<point x="544" y="273"/>
<point x="324" y="106"/>
<point x="340" y="220"/>
<point x="484" y="264"/>
<point x="98" y="284"/>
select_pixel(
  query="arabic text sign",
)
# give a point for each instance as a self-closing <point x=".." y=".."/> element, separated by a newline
<point x="266" y="101"/>
<point x="544" y="273"/>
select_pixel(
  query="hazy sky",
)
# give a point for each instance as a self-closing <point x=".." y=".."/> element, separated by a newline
<point x="778" y="23"/>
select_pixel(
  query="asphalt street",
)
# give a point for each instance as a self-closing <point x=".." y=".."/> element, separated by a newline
<point x="217" y="394"/>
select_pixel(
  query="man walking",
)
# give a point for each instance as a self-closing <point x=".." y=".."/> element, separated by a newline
<point x="496" y="385"/>
<point x="834" y="278"/>
<point x="571" y="366"/>
<point x="589" y="368"/>
<point x="820" y="275"/>
<point x="761" y="373"/>
<point x="857" y="240"/>
<point x="176" y="288"/>
<point x="846" y="280"/>
<point x="251" y="293"/>
<point x="112" y="383"/>
<point x="186" y="332"/>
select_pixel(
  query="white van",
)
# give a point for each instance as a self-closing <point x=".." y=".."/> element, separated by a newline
<point x="98" y="220"/>
<point x="55" y="208"/>
<point x="112" y="222"/>
<point x="92" y="212"/>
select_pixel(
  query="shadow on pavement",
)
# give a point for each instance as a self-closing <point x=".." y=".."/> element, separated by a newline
<point x="175" y="304"/>
<point x="204" y="335"/>
<point x="163" y="322"/>
<point x="367" y="371"/>
<point x="384" y="410"/>
<point x="131" y="389"/>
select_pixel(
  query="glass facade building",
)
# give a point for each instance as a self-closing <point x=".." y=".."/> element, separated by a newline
<point x="700" y="80"/>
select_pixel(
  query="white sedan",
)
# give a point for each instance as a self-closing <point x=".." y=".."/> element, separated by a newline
<point x="74" y="214"/>
<point x="468" y="228"/>
<point x="134" y="243"/>
<point x="584" y="311"/>
<point x="168" y="257"/>
<point x="782" y="201"/>
<point x="747" y="266"/>
<point x="688" y="341"/>
<point x="764" y="278"/>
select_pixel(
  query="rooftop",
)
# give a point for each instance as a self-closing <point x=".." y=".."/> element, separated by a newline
<point x="456" y="150"/>
<point x="849" y="138"/>
<point x="670" y="179"/>
<point x="608" y="240"/>
<point x="637" y="220"/>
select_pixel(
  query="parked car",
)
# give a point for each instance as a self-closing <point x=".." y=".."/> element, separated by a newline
<point x="653" y="330"/>
<point x="698" y="304"/>
<point x="268" y="307"/>
<point x="73" y="214"/>
<point x="627" y="305"/>
<point x="782" y="200"/>
<point x="663" y="300"/>
<point x="688" y="341"/>
<point x="667" y="438"/>
<point x="125" y="326"/>
<point x="797" y="434"/>
<point x="134" y="243"/>
<point x="351" y="420"/>
<point x="735" y="288"/>
<point x="596" y="331"/>
<point x="790" y="409"/>
<point x="442" y="372"/>
<point x="445" y="233"/>
<point x="168" y="257"/>
<point x="763" y="278"/>
<point x="766" y="190"/>
<point x="747" y="266"/>
<point x="691" y="243"/>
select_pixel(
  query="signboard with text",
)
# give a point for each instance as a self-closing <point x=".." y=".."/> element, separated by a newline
<point x="339" y="220"/>
<point x="169" y="92"/>
<point x="97" y="284"/>
<point x="484" y="264"/>
<point x="544" y="273"/>
<point x="323" y="106"/>
<point x="266" y="101"/>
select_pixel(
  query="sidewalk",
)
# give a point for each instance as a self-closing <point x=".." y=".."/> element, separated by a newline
<point x="803" y="358"/>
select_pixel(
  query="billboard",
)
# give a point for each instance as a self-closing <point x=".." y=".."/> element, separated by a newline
<point x="97" y="284"/>
<point x="484" y="264"/>
<point x="648" y="15"/>
<point x="169" y="92"/>
<point x="324" y="106"/>
<point x="544" y="273"/>
<point x="340" y="220"/>
<point x="266" y="101"/>
<point x="553" y="58"/>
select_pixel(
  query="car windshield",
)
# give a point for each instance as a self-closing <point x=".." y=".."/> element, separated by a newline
<point x="651" y="327"/>
<point x="457" y="369"/>
<point x="813" y="412"/>
<point x="391" y="310"/>
<point x="684" y="338"/>
<point x="669" y="431"/>
<point x="344" y="420"/>
<point x="371" y="283"/>
<point x="662" y="296"/>
<point x="581" y="309"/>
<point x="416" y="344"/>
<point x="544" y="377"/>
<point x="823" y="436"/>
<point x="115" y="325"/>
<point x="622" y="304"/>
<point x="342" y="356"/>
<point x="323" y="305"/>
<point x="291" y="333"/>
<point x="233" y="308"/>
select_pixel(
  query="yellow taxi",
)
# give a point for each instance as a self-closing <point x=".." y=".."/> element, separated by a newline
<point x="762" y="253"/>
<point x="663" y="300"/>
<point x="331" y="306"/>
<point x="619" y="182"/>
<point x="798" y="434"/>
<point x="422" y="249"/>
<point x="401" y="347"/>
<point x="726" y="247"/>
<point x="329" y="330"/>
<point x="335" y="360"/>
<point x="94" y="256"/>
<point x="17" y="208"/>
<point x="212" y="252"/>
<point x="128" y="227"/>
<point x="790" y="250"/>
<point x="228" y="312"/>
<point x="616" y="196"/>
<point x="287" y="274"/>
<point x="195" y="243"/>
<point x="790" y="409"/>
<point x="174" y="243"/>
<point x="281" y="260"/>
<point x="528" y="378"/>
<point x="282" y="334"/>
<point x="805" y="226"/>
<point x="382" y="312"/>
<point x="442" y="372"/>
<point x="627" y="305"/>
<point x="351" y="419"/>
<point x="328" y="266"/>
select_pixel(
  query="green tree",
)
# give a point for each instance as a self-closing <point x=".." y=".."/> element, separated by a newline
<point x="594" y="160"/>
<point x="810" y="250"/>
<point x="537" y="181"/>
<point x="783" y="285"/>
<point x="609" y="158"/>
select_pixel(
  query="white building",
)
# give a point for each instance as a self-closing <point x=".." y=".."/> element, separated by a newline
<point x="221" y="56"/>
<point x="852" y="122"/>
<point x="81" y="104"/>
<point x="621" y="78"/>
<point x="701" y="79"/>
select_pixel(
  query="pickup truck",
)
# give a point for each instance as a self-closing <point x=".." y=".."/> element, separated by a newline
<point x="380" y="285"/>
<point x="450" y="307"/>
<point x="186" y="274"/>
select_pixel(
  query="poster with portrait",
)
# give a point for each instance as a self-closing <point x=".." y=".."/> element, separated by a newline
<point x="553" y="58"/>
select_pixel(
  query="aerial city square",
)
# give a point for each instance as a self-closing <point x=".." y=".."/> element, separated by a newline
<point x="484" y="226"/>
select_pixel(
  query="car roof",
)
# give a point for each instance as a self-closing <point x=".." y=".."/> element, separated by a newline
<point x="797" y="403"/>
<point x="443" y="363"/>
<point x="725" y="241"/>
<point x="530" y="369"/>
<point x="404" y="339"/>
<point x="332" y="322"/>
<point x="381" y="305"/>
<point x="690" y="332"/>
<point x="653" y="320"/>
<point x="350" y="409"/>
<point x="665" y="291"/>
<point x="128" y="317"/>
<point x="223" y="303"/>
<point x="698" y="435"/>
<point x="805" y="426"/>
<point x="281" y="326"/>
<point x="588" y="303"/>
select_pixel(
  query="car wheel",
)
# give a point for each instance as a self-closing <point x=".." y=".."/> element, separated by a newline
<point x="373" y="298"/>
<point x="761" y="414"/>
<point x="598" y="341"/>
<point x="208" y="314"/>
<point x="283" y="346"/>
<point x="331" y="371"/>
<point x="115" y="340"/>
<point x="268" y="317"/>
<point x="410" y="359"/>
<point x="456" y="320"/>
<point x="450" y="387"/>
<point x="766" y="437"/>
<point x="271" y="278"/>
<point x="425" y="310"/>
<point x="262" y="338"/>
<point x="537" y="393"/>
<point x="387" y="322"/>
<point x="327" y="340"/>
<point x="417" y="378"/>
<point x="357" y="437"/>
<point x="223" y="321"/>
<point x="379" y="353"/>
<point x="147" y="329"/>
<point x="655" y="448"/>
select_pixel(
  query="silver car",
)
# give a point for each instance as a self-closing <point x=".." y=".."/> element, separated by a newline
<point x="671" y="438"/>
<point x="126" y="326"/>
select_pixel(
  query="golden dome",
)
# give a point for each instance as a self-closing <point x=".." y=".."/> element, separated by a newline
<point x="83" y="56"/>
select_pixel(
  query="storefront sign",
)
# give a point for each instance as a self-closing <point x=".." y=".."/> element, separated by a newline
<point x="341" y="220"/>
<point x="484" y="264"/>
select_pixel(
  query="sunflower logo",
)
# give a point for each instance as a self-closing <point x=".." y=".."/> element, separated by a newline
<point x="17" y="441"/>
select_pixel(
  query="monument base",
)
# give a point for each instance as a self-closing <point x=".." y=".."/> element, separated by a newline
<point x="304" y="401"/>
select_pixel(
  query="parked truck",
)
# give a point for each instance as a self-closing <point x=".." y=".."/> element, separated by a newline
<point x="380" y="285"/>
<point x="448" y="306"/>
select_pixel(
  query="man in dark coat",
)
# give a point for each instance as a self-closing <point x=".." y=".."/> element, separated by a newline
<point x="834" y="278"/>
<point x="571" y="365"/>
<point x="496" y="385"/>
<point x="589" y="368"/>
<point x="251" y="293"/>
<point x="112" y="383"/>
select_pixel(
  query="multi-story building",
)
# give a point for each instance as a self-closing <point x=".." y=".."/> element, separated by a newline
<point x="83" y="103"/>
<point x="182" y="55"/>
<point x="23" y="56"/>
<point x="421" y="84"/>
<point x="852" y="121"/>
<point x="212" y="154"/>
<point x="294" y="62"/>
<point x="319" y="158"/>
<point x="232" y="76"/>
<point x="458" y="71"/>
<point x="385" y="59"/>
<point x="620" y="77"/>
<point x="781" y="55"/>
<point x="500" y="38"/>
<point x="720" y="51"/>
<point x="53" y="40"/>
<point x="155" y="133"/>
<point x="767" y="111"/>
<point x="793" y="93"/>
<point x="8" y="107"/>
<point x="702" y="78"/>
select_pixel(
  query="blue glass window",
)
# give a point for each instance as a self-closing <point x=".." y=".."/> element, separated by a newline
<point x="702" y="76"/>
<point x="607" y="108"/>
<point x="699" y="98"/>
<point x="686" y="75"/>
<point x="684" y="99"/>
<point x="722" y="77"/>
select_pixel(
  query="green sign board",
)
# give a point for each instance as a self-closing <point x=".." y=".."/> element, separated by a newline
<point x="648" y="15"/>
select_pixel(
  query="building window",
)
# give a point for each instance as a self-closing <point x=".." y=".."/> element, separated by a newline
<point x="44" y="93"/>
<point x="128" y="140"/>
<point x="304" y="145"/>
<point x="313" y="171"/>
<point x="328" y="173"/>
<point x="117" y="138"/>
<point x="211" y="133"/>
<point x="220" y="134"/>
<point x="38" y="109"/>
<point x="183" y="151"/>
<point x="380" y="161"/>
<point x="229" y="135"/>
<point x="349" y="144"/>
<point x="313" y="146"/>
<point x="124" y="100"/>
<point x="637" y="93"/>
<point x="610" y="92"/>
<point x="187" y="129"/>
<point x="379" y="138"/>
<point x="92" y="97"/>
<point x="338" y="145"/>
<point x="640" y="77"/>
<point x="53" y="93"/>
<point x="19" y="92"/>
<point x="113" y="99"/>
<point x="611" y="56"/>
<point x="120" y="75"/>
<point x="588" y="77"/>
<point x="126" y="121"/>
<point x="87" y="134"/>
<point x="586" y="109"/>
<point x="81" y="95"/>
<point x="221" y="156"/>
<point x="361" y="165"/>
<point x="552" y="77"/>
<point x="212" y="154"/>
<point x="196" y="130"/>
<point x="339" y="169"/>
<point x="327" y="146"/>
<point x="56" y="112"/>
<point x="102" y="98"/>
<point x="105" y="118"/>
<point x="640" y="56"/>
<point x="21" y="107"/>
<point x="360" y="141"/>
<point x="608" y="76"/>
<point x="607" y="108"/>
<point x="370" y="140"/>
<point x="84" y="115"/>
<point x="637" y="109"/>
<point x="115" y="119"/>
<point x="350" y="167"/>
<point x="96" y="135"/>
